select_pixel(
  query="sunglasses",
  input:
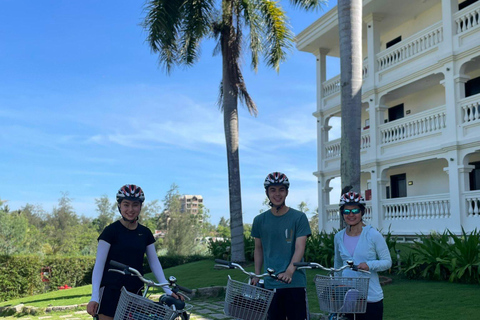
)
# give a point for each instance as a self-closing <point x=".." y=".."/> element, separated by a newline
<point x="354" y="211"/>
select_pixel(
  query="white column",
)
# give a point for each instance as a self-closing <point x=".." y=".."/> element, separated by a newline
<point x="323" y="200"/>
<point x="452" y="112"/>
<point x="373" y="48"/>
<point x="376" y="185"/>
<point x="377" y="198"/>
<point x="321" y="56"/>
<point x="449" y="8"/>
<point x="455" y="190"/>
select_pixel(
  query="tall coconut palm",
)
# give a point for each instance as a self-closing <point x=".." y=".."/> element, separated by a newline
<point x="175" y="29"/>
<point x="350" y="28"/>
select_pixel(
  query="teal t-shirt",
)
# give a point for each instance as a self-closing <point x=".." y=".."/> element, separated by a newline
<point x="278" y="236"/>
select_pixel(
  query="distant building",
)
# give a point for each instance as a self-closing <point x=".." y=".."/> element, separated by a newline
<point x="191" y="203"/>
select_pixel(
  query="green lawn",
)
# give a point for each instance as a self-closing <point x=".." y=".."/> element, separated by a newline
<point x="404" y="299"/>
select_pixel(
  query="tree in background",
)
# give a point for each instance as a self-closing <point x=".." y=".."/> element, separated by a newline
<point x="350" y="26"/>
<point x="106" y="213"/>
<point x="183" y="230"/>
<point x="313" y="221"/>
<point x="223" y="228"/>
<point x="175" y="29"/>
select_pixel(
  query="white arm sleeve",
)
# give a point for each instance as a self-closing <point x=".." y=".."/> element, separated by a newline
<point x="157" y="267"/>
<point x="102" y="253"/>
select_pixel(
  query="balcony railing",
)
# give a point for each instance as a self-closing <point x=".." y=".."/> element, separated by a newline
<point x="472" y="203"/>
<point x="411" y="46"/>
<point x="421" y="124"/>
<point x="331" y="86"/>
<point x="468" y="19"/>
<point x="414" y="208"/>
<point x="471" y="109"/>
<point x="333" y="148"/>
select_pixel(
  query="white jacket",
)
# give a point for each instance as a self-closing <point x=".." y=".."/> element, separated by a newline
<point x="371" y="249"/>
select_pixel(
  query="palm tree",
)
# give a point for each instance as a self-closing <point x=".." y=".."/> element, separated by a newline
<point x="175" y="29"/>
<point x="350" y="27"/>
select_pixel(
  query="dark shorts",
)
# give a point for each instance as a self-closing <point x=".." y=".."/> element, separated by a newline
<point x="109" y="301"/>
<point x="289" y="302"/>
<point x="374" y="312"/>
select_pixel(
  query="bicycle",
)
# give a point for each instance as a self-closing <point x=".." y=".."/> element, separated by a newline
<point x="133" y="306"/>
<point x="338" y="296"/>
<point x="245" y="301"/>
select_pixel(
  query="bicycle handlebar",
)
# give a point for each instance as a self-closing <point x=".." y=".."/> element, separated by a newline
<point x="314" y="265"/>
<point x="232" y="265"/>
<point x="126" y="270"/>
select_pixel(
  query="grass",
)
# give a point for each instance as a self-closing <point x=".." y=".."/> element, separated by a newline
<point x="404" y="299"/>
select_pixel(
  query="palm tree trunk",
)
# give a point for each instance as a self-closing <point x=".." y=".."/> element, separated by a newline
<point x="230" y="122"/>
<point x="350" y="27"/>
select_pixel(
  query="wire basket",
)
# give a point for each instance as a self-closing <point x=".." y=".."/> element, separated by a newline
<point x="342" y="294"/>
<point x="244" y="301"/>
<point x="135" y="307"/>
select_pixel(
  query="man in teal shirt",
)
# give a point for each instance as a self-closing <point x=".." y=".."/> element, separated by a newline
<point x="280" y="237"/>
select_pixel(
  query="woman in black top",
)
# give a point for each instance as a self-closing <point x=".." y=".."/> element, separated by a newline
<point x="125" y="241"/>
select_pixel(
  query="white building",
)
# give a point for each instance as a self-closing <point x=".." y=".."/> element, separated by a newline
<point x="420" y="149"/>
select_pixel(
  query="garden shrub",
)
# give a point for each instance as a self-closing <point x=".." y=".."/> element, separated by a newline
<point x="445" y="256"/>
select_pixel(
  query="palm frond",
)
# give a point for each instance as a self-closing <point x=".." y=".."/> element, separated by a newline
<point x="277" y="34"/>
<point x="162" y="22"/>
<point x="254" y="22"/>
<point x="243" y="94"/>
<point x="198" y="19"/>
<point x="308" y="4"/>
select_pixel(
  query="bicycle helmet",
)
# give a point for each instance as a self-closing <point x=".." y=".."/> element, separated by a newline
<point x="130" y="192"/>
<point x="276" y="179"/>
<point x="351" y="198"/>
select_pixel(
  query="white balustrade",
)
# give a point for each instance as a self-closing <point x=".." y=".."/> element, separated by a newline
<point x="471" y="109"/>
<point x="421" y="124"/>
<point x="332" y="149"/>
<point x="472" y="202"/>
<point x="416" y="208"/>
<point x="468" y="18"/>
<point x="412" y="46"/>
<point x="331" y="86"/>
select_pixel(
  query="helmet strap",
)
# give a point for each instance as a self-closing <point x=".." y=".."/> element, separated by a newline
<point x="130" y="220"/>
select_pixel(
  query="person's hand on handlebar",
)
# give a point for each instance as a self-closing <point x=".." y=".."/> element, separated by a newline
<point x="287" y="275"/>
<point x="255" y="281"/>
<point x="177" y="296"/>
<point x="92" y="308"/>
<point x="363" y="266"/>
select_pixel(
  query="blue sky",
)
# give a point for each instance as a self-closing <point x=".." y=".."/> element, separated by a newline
<point x="84" y="109"/>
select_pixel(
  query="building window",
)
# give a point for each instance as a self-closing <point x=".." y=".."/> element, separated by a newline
<point x="472" y="87"/>
<point x="474" y="176"/>
<point x="465" y="4"/>
<point x="398" y="185"/>
<point x="396" y="112"/>
<point x="393" y="42"/>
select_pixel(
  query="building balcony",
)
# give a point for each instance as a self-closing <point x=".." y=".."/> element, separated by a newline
<point x="412" y="56"/>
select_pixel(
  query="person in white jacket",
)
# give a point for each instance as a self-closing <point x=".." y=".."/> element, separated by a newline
<point x="366" y="247"/>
